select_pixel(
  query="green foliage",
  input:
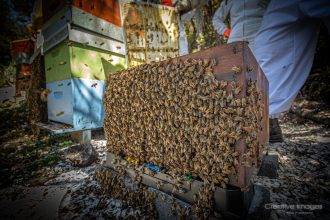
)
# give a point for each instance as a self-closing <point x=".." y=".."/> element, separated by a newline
<point x="7" y="75"/>
<point x="50" y="159"/>
<point x="65" y="143"/>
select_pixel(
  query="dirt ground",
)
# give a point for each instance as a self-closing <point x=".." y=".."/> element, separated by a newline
<point x="37" y="183"/>
<point x="304" y="168"/>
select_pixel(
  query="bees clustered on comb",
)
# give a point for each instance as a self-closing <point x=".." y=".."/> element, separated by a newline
<point x="153" y="37"/>
<point x="177" y="115"/>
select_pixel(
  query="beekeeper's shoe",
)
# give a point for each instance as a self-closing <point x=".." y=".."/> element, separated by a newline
<point x="275" y="132"/>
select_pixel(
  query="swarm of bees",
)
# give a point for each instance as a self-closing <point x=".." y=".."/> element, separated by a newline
<point x="176" y="115"/>
<point x="37" y="95"/>
<point x="139" y="199"/>
<point x="203" y="207"/>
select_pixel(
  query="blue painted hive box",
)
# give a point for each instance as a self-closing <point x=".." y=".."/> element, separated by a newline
<point x="77" y="102"/>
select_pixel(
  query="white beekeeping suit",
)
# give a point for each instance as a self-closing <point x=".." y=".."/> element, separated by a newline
<point x="183" y="42"/>
<point x="245" y="19"/>
<point x="286" y="45"/>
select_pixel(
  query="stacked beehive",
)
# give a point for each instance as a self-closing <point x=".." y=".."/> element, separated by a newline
<point x="21" y="51"/>
<point x="82" y="44"/>
<point x="195" y="115"/>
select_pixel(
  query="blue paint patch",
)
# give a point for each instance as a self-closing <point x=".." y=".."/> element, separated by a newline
<point x="153" y="167"/>
<point x="87" y="103"/>
<point x="77" y="102"/>
<point x="60" y="107"/>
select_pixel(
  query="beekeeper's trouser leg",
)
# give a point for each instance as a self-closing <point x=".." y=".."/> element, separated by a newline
<point x="285" y="47"/>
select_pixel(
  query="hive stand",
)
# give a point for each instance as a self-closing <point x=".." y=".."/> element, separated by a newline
<point x="269" y="164"/>
<point x="54" y="128"/>
<point x="83" y="136"/>
<point x="231" y="202"/>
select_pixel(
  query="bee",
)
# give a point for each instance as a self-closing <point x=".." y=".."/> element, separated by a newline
<point x="246" y="164"/>
<point x="44" y="94"/>
<point x="237" y="90"/>
<point x="249" y="68"/>
<point x="94" y="85"/>
<point x="223" y="84"/>
<point x="245" y="189"/>
<point x="85" y="44"/>
<point x="243" y="102"/>
<point x="59" y="114"/>
<point x="248" y="129"/>
<point x="236" y="69"/>
<point x="237" y="102"/>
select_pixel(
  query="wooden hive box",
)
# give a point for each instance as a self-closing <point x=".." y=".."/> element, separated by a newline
<point x="75" y="75"/>
<point x="107" y="10"/>
<point x="82" y="27"/>
<point x="78" y="61"/>
<point x="234" y="63"/>
<point x="21" y="50"/>
<point x="228" y="57"/>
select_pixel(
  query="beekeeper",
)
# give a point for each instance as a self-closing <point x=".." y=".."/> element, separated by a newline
<point x="245" y="19"/>
<point x="285" y="51"/>
<point x="184" y="7"/>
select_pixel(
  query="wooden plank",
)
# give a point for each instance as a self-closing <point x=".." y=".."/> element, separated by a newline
<point x="55" y="128"/>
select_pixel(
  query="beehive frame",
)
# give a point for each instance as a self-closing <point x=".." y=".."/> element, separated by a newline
<point x="150" y="32"/>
